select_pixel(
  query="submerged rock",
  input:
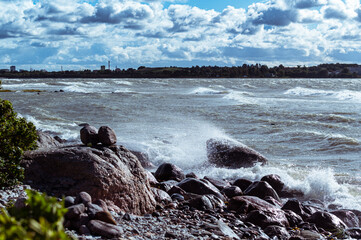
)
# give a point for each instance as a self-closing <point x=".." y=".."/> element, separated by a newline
<point x="232" y="154"/>
<point x="114" y="175"/>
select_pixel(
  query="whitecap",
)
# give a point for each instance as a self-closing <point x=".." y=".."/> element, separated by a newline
<point x="206" y="91"/>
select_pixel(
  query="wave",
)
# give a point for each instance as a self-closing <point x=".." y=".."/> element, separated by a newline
<point x="24" y="85"/>
<point x="240" y="97"/>
<point x="206" y="91"/>
<point x="122" y="82"/>
<point x="342" y="95"/>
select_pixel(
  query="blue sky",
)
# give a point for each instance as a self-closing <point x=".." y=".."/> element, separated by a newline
<point x="74" y="34"/>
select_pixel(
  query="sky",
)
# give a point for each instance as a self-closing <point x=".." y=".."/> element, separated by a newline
<point x="77" y="35"/>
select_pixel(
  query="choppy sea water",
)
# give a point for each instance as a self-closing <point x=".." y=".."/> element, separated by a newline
<point x="309" y="129"/>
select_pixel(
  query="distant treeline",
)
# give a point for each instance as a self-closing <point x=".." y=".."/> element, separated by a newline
<point x="245" y="71"/>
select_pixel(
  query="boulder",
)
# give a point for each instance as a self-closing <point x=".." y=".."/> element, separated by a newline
<point x="295" y="206"/>
<point x="75" y="211"/>
<point x="107" y="136"/>
<point x="232" y="191"/>
<point x="220" y="184"/>
<point x="45" y="140"/>
<point x="105" y="216"/>
<point x="161" y="196"/>
<point x="169" y="171"/>
<point x="232" y="154"/>
<point x="242" y="183"/>
<point x="327" y="221"/>
<point x="275" y="181"/>
<point x="293" y="218"/>
<point x="112" y="174"/>
<point x="277" y="231"/>
<point x="348" y="217"/>
<point x="199" y="187"/>
<point x="89" y="135"/>
<point x="262" y="190"/>
<point x="104" y="229"/>
<point x="259" y="211"/>
<point x="201" y="203"/>
<point x="143" y="159"/>
<point x="83" y="197"/>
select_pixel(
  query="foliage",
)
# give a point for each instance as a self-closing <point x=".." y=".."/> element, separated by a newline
<point x="16" y="136"/>
<point x="41" y="219"/>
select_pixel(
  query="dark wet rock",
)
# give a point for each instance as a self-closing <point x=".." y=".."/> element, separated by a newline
<point x="226" y="230"/>
<point x="89" y="135"/>
<point x="266" y="218"/>
<point x="354" y="233"/>
<point x="170" y="235"/>
<point x="143" y="159"/>
<point x="232" y="154"/>
<point x="83" y="197"/>
<point x="262" y="190"/>
<point x="176" y="189"/>
<point x="168" y="171"/>
<point x="75" y="211"/>
<point x="275" y="181"/>
<point x="166" y="185"/>
<point x="232" y="191"/>
<point x="105" y="216"/>
<point x="201" y="203"/>
<point x="295" y="206"/>
<point x="84" y="230"/>
<point x="161" y="196"/>
<point x="293" y="218"/>
<point x="191" y="175"/>
<point x="112" y="174"/>
<point x="104" y="229"/>
<point x="348" y="217"/>
<point x="220" y="184"/>
<point x="290" y="193"/>
<point x="273" y="201"/>
<point x="197" y="186"/>
<point x="327" y="221"/>
<point x="45" y="140"/>
<point x="107" y="136"/>
<point x="259" y="211"/>
<point x="151" y="179"/>
<point x="243" y="184"/>
<point x="277" y="231"/>
<point x="69" y="201"/>
<point x="177" y="197"/>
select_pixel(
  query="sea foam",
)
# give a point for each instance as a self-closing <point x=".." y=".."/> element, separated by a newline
<point x="342" y="95"/>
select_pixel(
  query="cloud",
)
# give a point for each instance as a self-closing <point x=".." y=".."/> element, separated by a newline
<point x="336" y="13"/>
<point x="309" y="3"/>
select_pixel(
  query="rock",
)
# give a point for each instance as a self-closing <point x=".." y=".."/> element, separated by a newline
<point x="191" y="175"/>
<point x="161" y="196"/>
<point x="327" y="221"/>
<point x="103" y="229"/>
<point x="112" y="174"/>
<point x="197" y="186"/>
<point x="177" y="197"/>
<point x="45" y="140"/>
<point x="166" y="185"/>
<point x="75" y="211"/>
<point x="290" y="193"/>
<point x="277" y="231"/>
<point x="107" y="136"/>
<point x="168" y="171"/>
<point x="263" y="213"/>
<point x="201" y="203"/>
<point x="354" y="233"/>
<point x="93" y="209"/>
<point x="83" y="197"/>
<point x="89" y="135"/>
<point x="243" y="184"/>
<point x="69" y="201"/>
<point x="262" y="190"/>
<point x="220" y="184"/>
<point x="275" y="181"/>
<point x="226" y="230"/>
<point x="295" y="206"/>
<point x="102" y="204"/>
<point x="232" y="191"/>
<point x="143" y="159"/>
<point x="84" y="230"/>
<point x="310" y="235"/>
<point x="152" y="180"/>
<point x="232" y="154"/>
<point x="293" y="218"/>
<point x="348" y="217"/>
<point x="105" y="216"/>
<point x="273" y="201"/>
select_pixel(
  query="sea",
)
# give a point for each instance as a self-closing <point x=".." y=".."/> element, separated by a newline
<point x="309" y="129"/>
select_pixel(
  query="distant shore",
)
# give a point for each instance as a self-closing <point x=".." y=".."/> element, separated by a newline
<point x="244" y="71"/>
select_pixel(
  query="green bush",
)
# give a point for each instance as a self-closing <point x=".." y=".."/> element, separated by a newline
<point x="16" y="136"/>
<point x="41" y="219"/>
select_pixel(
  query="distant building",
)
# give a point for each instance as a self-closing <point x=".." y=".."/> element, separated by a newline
<point x="102" y="68"/>
<point x="12" y="69"/>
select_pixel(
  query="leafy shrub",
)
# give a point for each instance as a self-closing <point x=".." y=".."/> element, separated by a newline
<point x="41" y="219"/>
<point x="16" y="136"/>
